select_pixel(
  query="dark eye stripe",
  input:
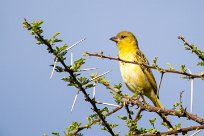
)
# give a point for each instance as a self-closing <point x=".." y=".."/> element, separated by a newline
<point x="123" y="36"/>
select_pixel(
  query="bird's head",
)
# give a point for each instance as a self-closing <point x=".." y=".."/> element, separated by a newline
<point x="124" y="39"/>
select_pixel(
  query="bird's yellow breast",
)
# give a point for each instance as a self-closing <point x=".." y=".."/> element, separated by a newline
<point x="132" y="74"/>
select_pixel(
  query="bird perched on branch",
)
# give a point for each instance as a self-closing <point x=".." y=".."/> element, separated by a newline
<point x="138" y="78"/>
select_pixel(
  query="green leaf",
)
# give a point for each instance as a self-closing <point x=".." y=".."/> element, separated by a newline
<point x="178" y="126"/>
<point x="83" y="80"/>
<point x="58" y="68"/>
<point x="73" y="127"/>
<point x="91" y="118"/>
<point x="132" y="124"/>
<point x="118" y="86"/>
<point x="155" y="61"/>
<point x="55" y="134"/>
<point x="70" y="80"/>
<point x="60" y="49"/>
<point x="123" y="117"/>
<point x="152" y="121"/>
<point x="77" y="64"/>
<point x="55" y="35"/>
<point x="176" y="105"/>
<point x="183" y="68"/>
<point x="164" y="124"/>
<point x="200" y="63"/>
<point x="54" y="39"/>
<point x="202" y="75"/>
<point x="111" y="126"/>
<point x="170" y="66"/>
<point x="64" y="47"/>
<point x="36" y="29"/>
<point x="153" y="131"/>
<point x="118" y="98"/>
<point x="89" y="86"/>
<point x="37" y="23"/>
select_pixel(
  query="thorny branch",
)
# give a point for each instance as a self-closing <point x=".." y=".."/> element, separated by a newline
<point x="192" y="76"/>
<point x="176" y="131"/>
<point x="146" y="107"/>
<point x="79" y="85"/>
<point x="128" y="111"/>
<point x="150" y="108"/>
<point x="97" y="120"/>
<point x="190" y="46"/>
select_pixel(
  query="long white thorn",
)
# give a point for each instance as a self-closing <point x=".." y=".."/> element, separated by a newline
<point x="72" y="58"/>
<point x="191" y="107"/>
<point x="75" y="98"/>
<point x="53" y="69"/>
<point x="76" y="44"/>
<point x="196" y="133"/>
<point x="192" y="92"/>
<point x="94" y="90"/>
<point x="100" y="75"/>
<point x="86" y="69"/>
<point x="109" y="104"/>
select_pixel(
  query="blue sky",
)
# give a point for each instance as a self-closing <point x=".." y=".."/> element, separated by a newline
<point x="31" y="104"/>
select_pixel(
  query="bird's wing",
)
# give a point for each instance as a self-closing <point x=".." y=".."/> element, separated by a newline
<point x="147" y="71"/>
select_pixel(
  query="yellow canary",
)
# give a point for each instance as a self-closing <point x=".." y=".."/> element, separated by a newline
<point x="138" y="79"/>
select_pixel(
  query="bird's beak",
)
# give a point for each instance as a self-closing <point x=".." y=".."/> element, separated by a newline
<point x="115" y="39"/>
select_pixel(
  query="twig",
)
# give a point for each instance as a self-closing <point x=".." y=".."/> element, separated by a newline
<point x="176" y="131"/>
<point x="162" y="75"/>
<point x="180" y="99"/>
<point x="147" y="107"/>
<point x="150" y="108"/>
<point x="148" y="66"/>
<point x="144" y="106"/>
<point x="138" y="114"/>
<point x="110" y="88"/>
<point x="97" y="120"/>
<point x="128" y="111"/>
<point x="198" y="53"/>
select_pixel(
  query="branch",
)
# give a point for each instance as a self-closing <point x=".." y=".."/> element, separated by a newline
<point x="176" y="131"/>
<point x="97" y="120"/>
<point x="146" y="107"/>
<point x="192" y="48"/>
<point x="148" y="66"/>
<point x="150" y="108"/>
<point x="71" y="73"/>
<point x="129" y="113"/>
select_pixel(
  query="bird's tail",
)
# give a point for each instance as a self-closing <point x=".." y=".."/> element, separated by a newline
<point x="157" y="103"/>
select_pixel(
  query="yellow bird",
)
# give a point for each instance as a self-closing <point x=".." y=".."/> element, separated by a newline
<point x="138" y="79"/>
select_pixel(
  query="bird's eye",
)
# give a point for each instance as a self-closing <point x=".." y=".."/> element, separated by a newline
<point x="123" y="36"/>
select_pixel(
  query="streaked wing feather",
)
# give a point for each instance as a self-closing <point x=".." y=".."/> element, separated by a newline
<point x="147" y="71"/>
